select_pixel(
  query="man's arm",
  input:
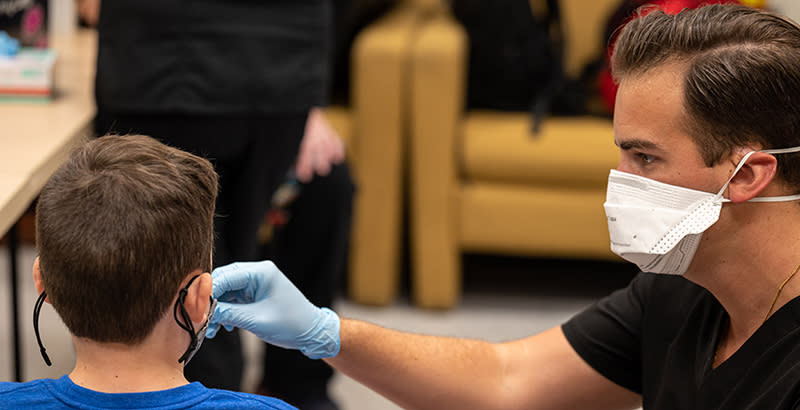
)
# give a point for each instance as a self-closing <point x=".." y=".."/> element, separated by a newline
<point x="430" y="372"/>
<point x="415" y="371"/>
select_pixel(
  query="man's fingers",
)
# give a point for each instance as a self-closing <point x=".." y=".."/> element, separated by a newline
<point x="339" y="153"/>
<point x="225" y="315"/>
<point x="212" y="330"/>
<point x="303" y="170"/>
<point x="231" y="278"/>
<point x="323" y="168"/>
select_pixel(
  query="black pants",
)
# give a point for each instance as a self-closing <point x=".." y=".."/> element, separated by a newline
<point x="312" y="246"/>
<point x="252" y="155"/>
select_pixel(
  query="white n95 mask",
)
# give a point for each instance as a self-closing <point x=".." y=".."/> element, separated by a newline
<point x="658" y="226"/>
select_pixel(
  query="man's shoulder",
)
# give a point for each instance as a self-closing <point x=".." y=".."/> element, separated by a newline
<point x="226" y="399"/>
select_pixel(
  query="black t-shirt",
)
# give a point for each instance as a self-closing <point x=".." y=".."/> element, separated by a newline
<point x="212" y="56"/>
<point x="657" y="337"/>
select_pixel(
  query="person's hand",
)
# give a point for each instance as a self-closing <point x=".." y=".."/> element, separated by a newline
<point x="257" y="297"/>
<point x="320" y="149"/>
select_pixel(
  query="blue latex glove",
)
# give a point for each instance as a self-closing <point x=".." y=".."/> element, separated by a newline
<point x="257" y="297"/>
<point x="9" y="46"/>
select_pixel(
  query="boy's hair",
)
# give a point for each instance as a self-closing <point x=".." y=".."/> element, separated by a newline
<point x="119" y="226"/>
<point x="742" y="81"/>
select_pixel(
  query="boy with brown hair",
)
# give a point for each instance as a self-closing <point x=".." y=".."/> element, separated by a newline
<point x="125" y="236"/>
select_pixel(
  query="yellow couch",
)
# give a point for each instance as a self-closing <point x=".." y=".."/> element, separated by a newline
<point x="374" y="128"/>
<point x="480" y="182"/>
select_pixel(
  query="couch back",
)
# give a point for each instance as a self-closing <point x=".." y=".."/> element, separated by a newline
<point x="428" y="5"/>
<point x="584" y="24"/>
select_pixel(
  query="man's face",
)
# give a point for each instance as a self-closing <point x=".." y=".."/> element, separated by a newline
<point x="649" y="128"/>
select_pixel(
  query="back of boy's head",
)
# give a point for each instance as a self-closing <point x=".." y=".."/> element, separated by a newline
<point x="119" y="226"/>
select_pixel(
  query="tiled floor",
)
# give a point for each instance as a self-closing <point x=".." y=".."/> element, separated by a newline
<point x="504" y="298"/>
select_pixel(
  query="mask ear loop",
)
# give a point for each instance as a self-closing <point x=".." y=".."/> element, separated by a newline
<point x="187" y="320"/>
<point x="735" y="171"/>
<point x="783" y="198"/>
<point x="186" y="325"/>
<point x="36" y="309"/>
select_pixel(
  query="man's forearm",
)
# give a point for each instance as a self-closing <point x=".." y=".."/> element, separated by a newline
<point x="415" y="371"/>
<point x="420" y="372"/>
<point x="430" y="372"/>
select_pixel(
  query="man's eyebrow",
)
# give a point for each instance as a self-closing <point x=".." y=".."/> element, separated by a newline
<point x="636" y="143"/>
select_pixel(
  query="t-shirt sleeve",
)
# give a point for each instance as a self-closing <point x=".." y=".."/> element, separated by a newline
<point x="608" y="334"/>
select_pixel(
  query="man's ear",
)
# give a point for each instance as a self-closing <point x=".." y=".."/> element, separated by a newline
<point x="198" y="296"/>
<point x="37" y="279"/>
<point x="753" y="177"/>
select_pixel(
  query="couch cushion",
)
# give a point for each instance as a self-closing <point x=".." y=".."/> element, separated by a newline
<point x="533" y="221"/>
<point x="498" y="146"/>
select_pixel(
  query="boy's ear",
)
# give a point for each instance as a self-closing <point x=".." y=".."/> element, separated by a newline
<point x="753" y="177"/>
<point x="37" y="279"/>
<point x="198" y="296"/>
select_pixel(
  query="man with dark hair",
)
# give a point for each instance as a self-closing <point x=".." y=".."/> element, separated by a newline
<point x="704" y="201"/>
<point x="125" y="236"/>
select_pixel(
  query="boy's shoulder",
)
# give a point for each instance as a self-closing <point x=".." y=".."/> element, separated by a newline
<point x="11" y="387"/>
<point x="55" y="393"/>
<point x="32" y="394"/>
<point x="226" y="399"/>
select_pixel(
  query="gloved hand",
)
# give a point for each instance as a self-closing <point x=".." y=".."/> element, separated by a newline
<point x="257" y="297"/>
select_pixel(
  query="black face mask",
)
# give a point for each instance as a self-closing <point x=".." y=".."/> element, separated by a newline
<point x="194" y="345"/>
<point x="197" y="337"/>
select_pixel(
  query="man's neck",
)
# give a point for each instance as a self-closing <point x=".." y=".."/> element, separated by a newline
<point x="750" y="266"/>
<point x="118" y="368"/>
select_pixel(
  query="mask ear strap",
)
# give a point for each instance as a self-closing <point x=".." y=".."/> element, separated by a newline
<point x="738" y="167"/>
<point x="784" y="198"/>
<point x="778" y="198"/>
<point x="781" y="150"/>
<point x="37" y="308"/>
<point x="187" y="320"/>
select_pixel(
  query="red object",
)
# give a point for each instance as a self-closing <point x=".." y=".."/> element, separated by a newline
<point x="277" y="217"/>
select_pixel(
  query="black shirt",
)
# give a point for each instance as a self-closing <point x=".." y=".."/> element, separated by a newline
<point x="657" y="337"/>
<point x="212" y="56"/>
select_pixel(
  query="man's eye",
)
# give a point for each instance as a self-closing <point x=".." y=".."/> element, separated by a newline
<point x="647" y="159"/>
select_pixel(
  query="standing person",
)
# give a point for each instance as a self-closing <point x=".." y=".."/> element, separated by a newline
<point x="124" y="232"/>
<point x="704" y="200"/>
<point x="239" y="82"/>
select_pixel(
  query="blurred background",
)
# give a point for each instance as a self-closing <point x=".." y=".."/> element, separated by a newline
<point x="478" y="135"/>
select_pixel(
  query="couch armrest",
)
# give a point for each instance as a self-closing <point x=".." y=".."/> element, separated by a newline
<point x="379" y="85"/>
<point x="438" y="86"/>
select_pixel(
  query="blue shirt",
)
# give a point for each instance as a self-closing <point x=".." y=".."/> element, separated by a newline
<point x="63" y="393"/>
